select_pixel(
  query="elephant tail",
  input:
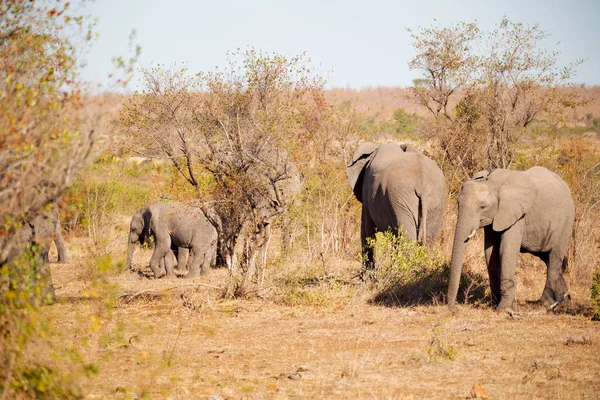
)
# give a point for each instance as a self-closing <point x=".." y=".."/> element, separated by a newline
<point x="565" y="264"/>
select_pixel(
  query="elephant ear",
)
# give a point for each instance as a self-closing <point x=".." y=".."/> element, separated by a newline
<point x="356" y="167"/>
<point x="136" y="221"/>
<point x="516" y="196"/>
<point x="147" y="217"/>
<point x="480" y="176"/>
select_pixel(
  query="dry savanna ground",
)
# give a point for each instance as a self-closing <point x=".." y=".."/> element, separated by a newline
<point x="311" y="330"/>
<point x="179" y="339"/>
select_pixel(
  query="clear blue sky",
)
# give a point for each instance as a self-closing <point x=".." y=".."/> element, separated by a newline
<point x="353" y="43"/>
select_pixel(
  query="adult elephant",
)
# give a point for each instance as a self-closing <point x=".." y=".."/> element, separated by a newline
<point x="178" y="226"/>
<point x="398" y="187"/>
<point x="521" y="212"/>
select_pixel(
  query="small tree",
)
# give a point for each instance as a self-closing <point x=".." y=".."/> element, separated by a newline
<point x="236" y="127"/>
<point x="446" y="58"/>
<point x="504" y="79"/>
<point x="520" y="81"/>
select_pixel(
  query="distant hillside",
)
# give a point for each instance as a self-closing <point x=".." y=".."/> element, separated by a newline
<point x="383" y="101"/>
<point x="380" y="102"/>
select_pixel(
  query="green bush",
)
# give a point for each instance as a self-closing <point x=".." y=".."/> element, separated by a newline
<point x="404" y="270"/>
<point x="105" y="189"/>
<point x="24" y="326"/>
<point x="407" y="124"/>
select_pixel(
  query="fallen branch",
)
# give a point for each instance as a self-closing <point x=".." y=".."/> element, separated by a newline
<point x="127" y="297"/>
<point x="523" y="314"/>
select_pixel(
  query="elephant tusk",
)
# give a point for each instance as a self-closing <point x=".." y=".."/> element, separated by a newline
<point x="470" y="236"/>
<point x="566" y="296"/>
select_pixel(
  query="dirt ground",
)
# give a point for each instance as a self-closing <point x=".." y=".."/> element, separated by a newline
<point x="175" y="339"/>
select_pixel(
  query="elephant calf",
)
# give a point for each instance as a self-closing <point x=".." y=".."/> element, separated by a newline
<point x="520" y="212"/>
<point x="40" y="232"/>
<point x="174" y="226"/>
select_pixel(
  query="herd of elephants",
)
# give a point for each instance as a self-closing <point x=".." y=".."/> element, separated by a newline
<point x="528" y="211"/>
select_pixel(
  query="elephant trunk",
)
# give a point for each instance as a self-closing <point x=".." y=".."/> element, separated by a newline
<point x="130" y="247"/>
<point x="461" y="236"/>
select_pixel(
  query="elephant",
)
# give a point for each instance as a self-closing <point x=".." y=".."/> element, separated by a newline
<point x="398" y="187"/>
<point x="528" y="211"/>
<point x="181" y="254"/>
<point x="174" y="226"/>
<point x="57" y="235"/>
<point x="37" y="234"/>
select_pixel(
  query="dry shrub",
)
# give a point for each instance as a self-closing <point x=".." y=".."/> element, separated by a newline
<point x="33" y="355"/>
<point x="439" y="345"/>
<point x="485" y="89"/>
<point x="313" y="288"/>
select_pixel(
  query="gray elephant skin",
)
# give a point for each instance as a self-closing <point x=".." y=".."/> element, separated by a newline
<point x="56" y="236"/>
<point x="40" y="232"/>
<point x="521" y="212"/>
<point x="174" y="226"/>
<point x="398" y="187"/>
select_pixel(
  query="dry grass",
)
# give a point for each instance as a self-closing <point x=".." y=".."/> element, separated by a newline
<point x="176" y="340"/>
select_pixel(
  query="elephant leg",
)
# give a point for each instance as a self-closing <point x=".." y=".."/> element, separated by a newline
<point x="169" y="265"/>
<point x="213" y="262"/>
<point x="556" y="290"/>
<point x="408" y="221"/>
<point x="209" y="256"/>
<point x="190" y="260"/>
<point x="510" y="246"/>
<point x="367" y="231"/>
<point x="161" y="267"/>
<point x="183" y="259"/>
<point x="158" y="256"/>
<point x="422" y="221"/>
<point x="60" y="248"/>
<point x="48" y="295"/>
<point x="434" y="224"/>
<point x="199" y="257"/>
<point x="492" y="259"/>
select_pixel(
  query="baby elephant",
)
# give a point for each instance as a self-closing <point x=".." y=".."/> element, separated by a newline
<point x="38" y="233"/>
<point x="174" y="225"/>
